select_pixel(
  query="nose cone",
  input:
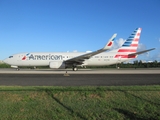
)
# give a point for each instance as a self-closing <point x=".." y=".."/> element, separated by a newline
<point x="7" y="61"/>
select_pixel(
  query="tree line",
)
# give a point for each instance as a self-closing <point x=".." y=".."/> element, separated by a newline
<point x="135" y="64"/>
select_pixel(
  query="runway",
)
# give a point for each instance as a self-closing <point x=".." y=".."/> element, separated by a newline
<point x="96" y="77"/>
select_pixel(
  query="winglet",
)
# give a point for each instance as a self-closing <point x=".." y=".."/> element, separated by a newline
<point x="110" y="42"/>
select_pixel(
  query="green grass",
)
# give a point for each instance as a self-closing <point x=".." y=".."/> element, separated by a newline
<point x="3" y="65"/>
<point x="80" y="103"/>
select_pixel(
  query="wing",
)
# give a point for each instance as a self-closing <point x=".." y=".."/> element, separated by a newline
<point x="141" y="52"/>
<point x="79" y="59"/>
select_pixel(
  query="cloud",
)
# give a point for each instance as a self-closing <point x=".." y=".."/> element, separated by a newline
<point x="156" y="56"/>
<point x="141" y="47"/>
<point x="75" y="50"/>
<point x="118" y="43"/>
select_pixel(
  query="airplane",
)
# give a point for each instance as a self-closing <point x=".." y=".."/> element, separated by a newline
<point x="63" y="60"/>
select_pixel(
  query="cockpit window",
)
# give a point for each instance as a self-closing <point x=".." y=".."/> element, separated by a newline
<point x="10" y="56"/>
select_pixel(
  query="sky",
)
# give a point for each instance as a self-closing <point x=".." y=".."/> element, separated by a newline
<point x="77" y="25"/>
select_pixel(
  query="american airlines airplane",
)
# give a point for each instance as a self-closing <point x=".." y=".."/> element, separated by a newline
<point x="62" y="60"/>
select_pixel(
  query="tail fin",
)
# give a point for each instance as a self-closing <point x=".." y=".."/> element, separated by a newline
<point x="130" y="45"/>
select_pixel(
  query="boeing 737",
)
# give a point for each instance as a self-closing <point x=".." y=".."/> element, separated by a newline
<point x="61" y="60"/>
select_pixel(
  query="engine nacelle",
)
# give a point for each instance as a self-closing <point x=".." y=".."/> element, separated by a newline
<point x="57" y="65"/>
<point x="13" y="66"/>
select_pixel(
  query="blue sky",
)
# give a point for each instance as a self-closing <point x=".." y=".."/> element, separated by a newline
<point x="82" y="25"/>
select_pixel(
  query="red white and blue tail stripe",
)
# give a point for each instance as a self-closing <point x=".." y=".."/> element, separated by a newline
<point x="130" y="45"/>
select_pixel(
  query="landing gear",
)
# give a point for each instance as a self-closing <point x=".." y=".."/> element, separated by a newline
<point x="117" y="66"/>
<point x="17" y="69"/>
<point x="75" y="68"/>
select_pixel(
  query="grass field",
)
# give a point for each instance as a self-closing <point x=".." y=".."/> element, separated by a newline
<point x="80" y="103"/>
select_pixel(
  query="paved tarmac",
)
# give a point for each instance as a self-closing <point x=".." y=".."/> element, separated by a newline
<point x="86" y="77"/>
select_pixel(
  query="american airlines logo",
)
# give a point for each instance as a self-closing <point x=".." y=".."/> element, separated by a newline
<point x="42" y="57"/>
<point x="25" y="57"/>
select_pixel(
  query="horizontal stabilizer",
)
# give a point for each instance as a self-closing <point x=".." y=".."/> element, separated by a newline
<point x="141" y="52"/>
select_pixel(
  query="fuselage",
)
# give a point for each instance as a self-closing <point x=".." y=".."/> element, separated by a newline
<point x="44" y="59"/>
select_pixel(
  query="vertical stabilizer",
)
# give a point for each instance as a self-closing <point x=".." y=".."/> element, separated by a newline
<point x="130" y="45"/>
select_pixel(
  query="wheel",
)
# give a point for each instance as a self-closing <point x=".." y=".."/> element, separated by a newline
<point x="75" y="69"/>
<point x="17" y="69"/>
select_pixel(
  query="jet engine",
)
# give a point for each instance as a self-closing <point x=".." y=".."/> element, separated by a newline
<point x="57" y="65"/>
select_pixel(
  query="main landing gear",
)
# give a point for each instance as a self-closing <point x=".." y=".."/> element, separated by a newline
<point x="18" y="69"/>
<point x="74" y="68"/>
<point x="117" y="66"/>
